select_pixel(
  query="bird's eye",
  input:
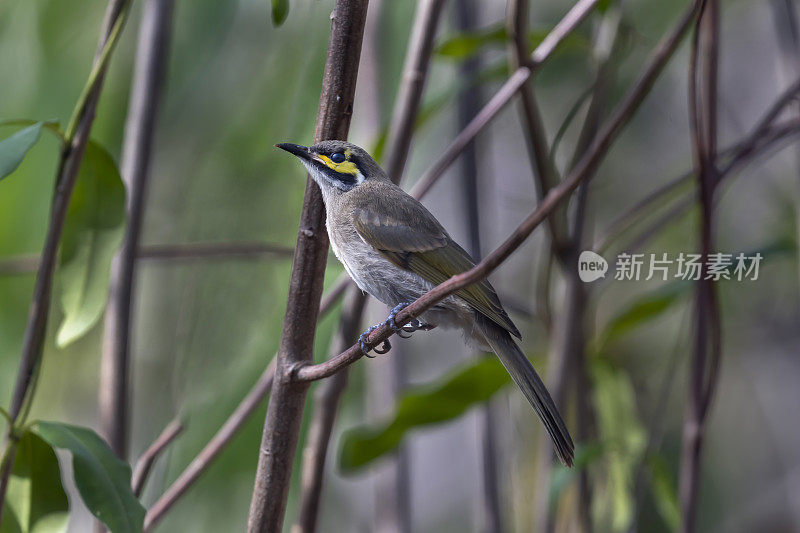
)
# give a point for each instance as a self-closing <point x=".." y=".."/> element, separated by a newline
<point x="338" y="157"/>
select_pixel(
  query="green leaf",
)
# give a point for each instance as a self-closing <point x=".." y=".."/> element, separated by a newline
<point x="665" y="495"/>
<point x="466" y="44"/>
<point x="93" y="230"/>
<point x="35" y="501"/>
<point x="625" y="439"/>
<point x="13" y="149"/>
<point x="280" y="10"/>
<point x="103" y="480"/>
<point x="445" y="400"/>
<point x="646" y="308"/>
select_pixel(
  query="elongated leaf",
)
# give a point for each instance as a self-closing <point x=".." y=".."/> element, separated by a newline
<point x="93" y="231"/>
<point x="586" y="454"/>
<point x="449" y="398"/>
<point x="103" y="480"/>
<point x="280" y="10"/>
<point x="14" y="148"/>
<point x="466" y="44"/>
<point x="35" y="501"/>
<point x="625" y="439"/>
<point x="646" y="308"/>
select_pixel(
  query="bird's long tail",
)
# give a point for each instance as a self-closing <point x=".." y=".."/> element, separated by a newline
<point x="530" y="383"/>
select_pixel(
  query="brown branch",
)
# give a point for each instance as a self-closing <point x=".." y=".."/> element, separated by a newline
<point x="707" y="343"/>
<point x="305" y="372"/>
<point x="210" y="451"/>
<point x="148" y="458"/>
<point x="71" y="155"/>
<point x="284" y="413"/>
<point x="147" y="83"/>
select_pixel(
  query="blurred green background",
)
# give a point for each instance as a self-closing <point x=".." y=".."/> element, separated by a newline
<point x="205" y="329"/>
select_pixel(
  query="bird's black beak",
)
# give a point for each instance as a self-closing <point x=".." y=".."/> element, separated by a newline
<point x="300" y="151"/>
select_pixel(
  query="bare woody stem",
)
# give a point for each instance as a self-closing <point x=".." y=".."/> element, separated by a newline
<point x="305" y="372"/>
<point x="282" y="424"/>
<point x="151" y="60"/>
<point x="72" y="151"/>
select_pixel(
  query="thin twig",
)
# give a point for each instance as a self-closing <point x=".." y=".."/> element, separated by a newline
<point x="147" y="83"/>
<point x="284" y="413"/>
<point x="305" y="372"/>
<point x="145" y="463"/>
<point x="210" y="451"/>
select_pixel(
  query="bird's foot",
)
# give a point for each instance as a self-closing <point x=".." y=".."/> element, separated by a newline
<point x="405" y="331"/>
<point x="384" y="347"/>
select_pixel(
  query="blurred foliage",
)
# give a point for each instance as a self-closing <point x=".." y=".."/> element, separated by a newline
<point x="473" y="383"/>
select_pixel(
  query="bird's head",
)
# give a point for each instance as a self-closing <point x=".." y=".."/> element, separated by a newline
<point x="336" y="166"/>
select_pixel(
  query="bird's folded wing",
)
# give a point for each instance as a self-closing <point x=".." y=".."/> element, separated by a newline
<point x="426" y="250"/>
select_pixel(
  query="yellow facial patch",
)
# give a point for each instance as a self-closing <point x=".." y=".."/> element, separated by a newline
<point x="345" y="167"/>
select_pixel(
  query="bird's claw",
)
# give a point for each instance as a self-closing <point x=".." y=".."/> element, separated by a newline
<point x="383" y="348"/>
<point x="404" y="332"/>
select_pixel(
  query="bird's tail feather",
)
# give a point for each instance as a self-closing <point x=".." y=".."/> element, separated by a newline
<point x="526" y="378"/>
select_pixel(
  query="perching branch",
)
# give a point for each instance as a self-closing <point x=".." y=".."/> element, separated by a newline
<point x="147" y="83"/>
<point x="305" y="372"/>
<point x="282" y="424"/>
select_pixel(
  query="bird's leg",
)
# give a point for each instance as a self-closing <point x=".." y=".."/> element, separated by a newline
<point x="385" y="346"/>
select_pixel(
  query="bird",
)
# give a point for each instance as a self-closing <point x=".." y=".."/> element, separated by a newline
<point x="396" y="250"/>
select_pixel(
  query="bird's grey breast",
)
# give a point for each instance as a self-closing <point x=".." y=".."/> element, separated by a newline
<point x="372" y="272"/>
